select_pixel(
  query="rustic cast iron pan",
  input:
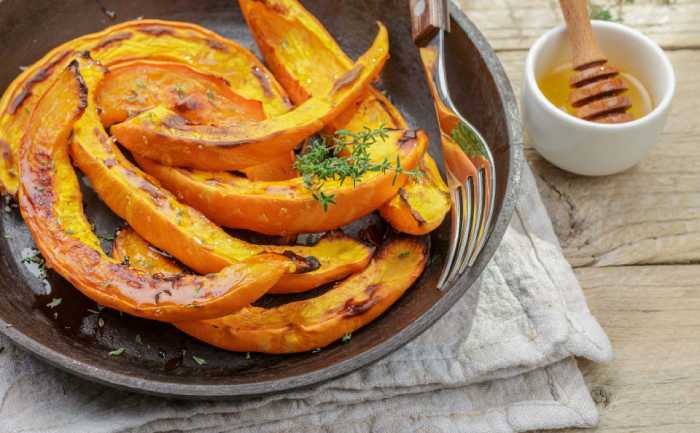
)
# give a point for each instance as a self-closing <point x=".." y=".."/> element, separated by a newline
<point x="163" y="363"/>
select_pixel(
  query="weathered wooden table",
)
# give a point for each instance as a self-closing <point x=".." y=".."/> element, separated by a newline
<point x="633" y="238"/>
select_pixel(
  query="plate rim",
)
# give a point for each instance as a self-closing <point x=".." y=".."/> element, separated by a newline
<point x="424" y="322"/>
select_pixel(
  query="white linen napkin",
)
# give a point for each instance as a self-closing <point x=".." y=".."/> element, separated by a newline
<point x="512" y="372"/>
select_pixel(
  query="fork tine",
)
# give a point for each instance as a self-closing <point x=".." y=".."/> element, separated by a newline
<point x="466" y="195"/>
<point x="455" y="233"/>
<point x="488" y="183"/>
<point x="477" y="220"/>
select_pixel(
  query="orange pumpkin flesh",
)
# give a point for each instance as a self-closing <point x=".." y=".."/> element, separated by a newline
<point x="313" y="323"/>
<point x="308" y="324"/>
<point x="134" y="40"/>
<point x="164" y="136"/>
<point x="50" y="202"/>
<point x="288" y="207"/>
<point x="181" y="231"/>
<point x="305" y="58"/>
<point x="129" y="247"/>
<point x="132" y="87"/>
<point x="129" y="244"/>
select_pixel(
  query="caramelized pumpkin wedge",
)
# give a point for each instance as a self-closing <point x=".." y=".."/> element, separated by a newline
<point x="128" y="244"/>
<point x="132" y="87"/>
<point x="425" y="198"/>
<point x="288" y="207"/>
<point x="51" y="204"/>
<point x="317" y="322"/>
<point x="180" y="230"/>
<point x="164" y="136"/>
<point x="133" y="40"/>
<point x="305" y="58"/>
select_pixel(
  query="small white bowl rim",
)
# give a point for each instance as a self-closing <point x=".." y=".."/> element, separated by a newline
<point x="658" y="110"/>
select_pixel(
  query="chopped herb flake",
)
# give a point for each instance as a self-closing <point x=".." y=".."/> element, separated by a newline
<point x="347" y="337"/>
<point x="117" y="352"/>
<point x="55" y="302"/>
<point x="198" y="360"/>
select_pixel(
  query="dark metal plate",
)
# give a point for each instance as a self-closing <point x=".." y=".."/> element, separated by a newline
<point x="163" y="364"/>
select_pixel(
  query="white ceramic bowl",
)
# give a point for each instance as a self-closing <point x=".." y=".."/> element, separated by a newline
<point x="590" y="148"/>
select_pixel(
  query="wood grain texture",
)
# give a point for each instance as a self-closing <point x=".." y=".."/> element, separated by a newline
<point x="515" y="24"/>
<point x="427" y="18"/>
<point x="647" y="215"/>
<point x="634" y="238"/>
<point x="652" y="315"/>
<point x="584" y="45"/>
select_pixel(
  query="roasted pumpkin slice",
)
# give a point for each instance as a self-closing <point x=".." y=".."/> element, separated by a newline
<point x="164" y="136"/>
<point x="132" y="87"/>
<point x="288" y="207"/>
<point x="425" y="198"/>
<point x="51" y="204"/>
<point x="305" y="58"/>
<point x="128" y="244"/>
<point x="317" y="322"/>
<point x="143" y="39"/>
<point x="129" y="247"/>
<point x="180" y="230"/>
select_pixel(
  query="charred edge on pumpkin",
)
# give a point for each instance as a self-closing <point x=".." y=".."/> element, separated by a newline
<point x="264" y="82"/>
<point x="353" y="308"/>
<point x="347" y="79"/>
<point x="113" y="39"/>
<point x="403" y="195"/>
<point x="7" y="156"/>
<point x="302" y="264"/>
<point x="216" y="45"/>
<point x="409" y="139"/>
<point x="161" y="293"/>
<point x="41" y="75"/>
<point x="142" y="184"/>
<point x="156" y="31"/>
<point x="188" y="104"/>
<point x="275" y="7"/>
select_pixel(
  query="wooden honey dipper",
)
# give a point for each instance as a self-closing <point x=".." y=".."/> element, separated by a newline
<point x="597" y="87"/>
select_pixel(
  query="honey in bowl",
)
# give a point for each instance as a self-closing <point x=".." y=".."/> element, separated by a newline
<point x="556" y="88"/>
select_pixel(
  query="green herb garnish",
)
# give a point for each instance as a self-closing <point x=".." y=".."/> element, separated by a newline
<point x="347" y="337"/>
<point x="198" y="360"/>
<point x="117" y="352"/>
<point x="55" y="302"/>
<point x="342" y="156"/>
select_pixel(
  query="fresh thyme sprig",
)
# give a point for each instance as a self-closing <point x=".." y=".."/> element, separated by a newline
<point x="344" y="155"/>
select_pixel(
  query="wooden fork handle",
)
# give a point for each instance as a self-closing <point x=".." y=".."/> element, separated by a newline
<point x="427" y="18"/>
<point x="583" y="43"/>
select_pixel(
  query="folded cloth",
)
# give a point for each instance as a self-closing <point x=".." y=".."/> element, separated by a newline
<point x="499" y="361"/>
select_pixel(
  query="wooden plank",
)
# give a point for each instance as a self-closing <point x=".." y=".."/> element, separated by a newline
<point x="652" y="315"/>
<point x="647" y="215"/>
<point x="516" y="24"/>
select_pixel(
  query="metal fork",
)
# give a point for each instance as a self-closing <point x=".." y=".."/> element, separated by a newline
<point x="468" y="159"/>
